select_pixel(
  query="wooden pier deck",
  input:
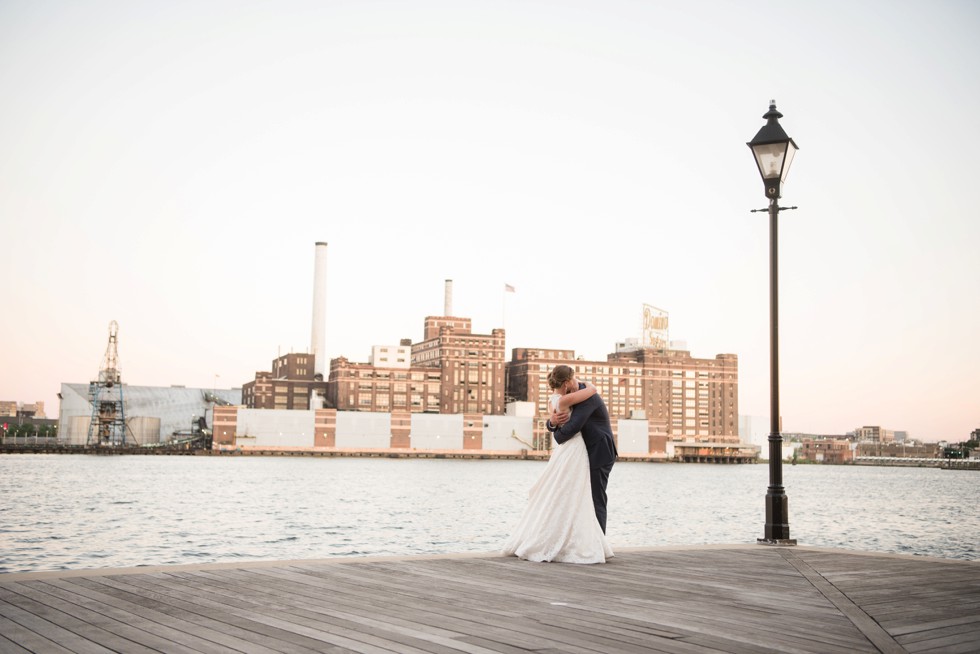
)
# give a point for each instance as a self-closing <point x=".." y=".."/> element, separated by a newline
<point x="733" y="598"/>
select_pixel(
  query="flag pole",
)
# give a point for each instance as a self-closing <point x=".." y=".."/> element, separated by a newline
<point x="503" y="310"/>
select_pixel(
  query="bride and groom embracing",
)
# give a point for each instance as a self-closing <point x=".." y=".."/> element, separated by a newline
<point x="565" y="518"/>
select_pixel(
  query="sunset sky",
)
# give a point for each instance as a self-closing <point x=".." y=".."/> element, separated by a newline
<point x="170" y="165"/>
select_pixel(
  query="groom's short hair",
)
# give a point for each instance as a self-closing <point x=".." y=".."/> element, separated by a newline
<point x="560" y="375"/>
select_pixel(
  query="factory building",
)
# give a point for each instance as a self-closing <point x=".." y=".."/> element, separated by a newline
<point x="291" y="384"/>
<point x="679" y="396"/>
<point x="453" y="389"/>
<point x="153" y="413"/>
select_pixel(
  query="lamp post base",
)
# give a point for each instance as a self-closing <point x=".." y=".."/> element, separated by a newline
<point x="779" y="542"/>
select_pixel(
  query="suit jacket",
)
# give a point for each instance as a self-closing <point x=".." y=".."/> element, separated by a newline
<point x="592" y="419"/>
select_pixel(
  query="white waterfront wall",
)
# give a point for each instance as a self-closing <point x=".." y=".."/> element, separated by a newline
<point x="437" y="431"/>
<point x="499" y="432"/>
<point x="633" y="437"/>
<point x="521" y="409"/>
<point x="429" y="431"/>
<point x="363" y="429"/>
<point x="266" y="428"/>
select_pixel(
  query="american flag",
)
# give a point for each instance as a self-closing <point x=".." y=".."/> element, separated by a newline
<point x="509" y="289"/>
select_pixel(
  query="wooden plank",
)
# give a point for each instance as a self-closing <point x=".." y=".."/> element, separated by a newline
<point x="87" y="626"/>
<point x="444" y="619"/>
<point x="712" y="625"/>
<point x="703" y="643"/>
<point x="740" y="599"/>
<point x="931" y="634"/>
<point x="357" y="604"/>
<point x="341" y="610"/>
<point x="753" y="636"/>
<point x="134" y="615"/>
<point x="134" y="639"/>
<point x="946" y="643"/>
<point x="907" y="628"/>
<point x="963" y="601"/>
<point x="926" y="615"/>
<point x="22" y="639"/>
<point x="436" y="608"/>
<point x="735" y="624"/>
<point x="189" y="613"/>
<point x="729" y="618"/>
<point x="619" y="640"/>
<point x="258" y="615"/>
<point x="302" y="614"/>
<point x="9" y="647"/>
<point x="301" y="609"/>
<point x="479" y="608"/>
<point x="865" y="623"/>
<point x="58" y="636"/>
<point x="507" y="634"/>
<point x="171" y="621"/>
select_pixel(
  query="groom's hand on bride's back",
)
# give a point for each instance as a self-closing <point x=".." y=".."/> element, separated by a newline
<point x="559" y="418"/>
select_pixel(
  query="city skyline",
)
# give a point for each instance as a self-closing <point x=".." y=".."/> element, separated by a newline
<point x="169" y="167"/>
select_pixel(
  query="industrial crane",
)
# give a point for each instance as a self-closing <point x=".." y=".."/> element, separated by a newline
<point x="108" y="423"/>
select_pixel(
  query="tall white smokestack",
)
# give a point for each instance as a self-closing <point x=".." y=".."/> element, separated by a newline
<point x="448" y="308"/>
<point x="318" y="345"/>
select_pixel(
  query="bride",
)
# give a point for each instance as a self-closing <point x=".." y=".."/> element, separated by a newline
<point x="559" y="523"/>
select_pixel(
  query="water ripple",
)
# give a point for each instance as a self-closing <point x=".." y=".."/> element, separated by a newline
<point x="169" y="510"/>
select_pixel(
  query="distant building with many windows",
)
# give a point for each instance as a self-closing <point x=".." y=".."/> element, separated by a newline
<point x="452" y="370"/>
<point x="827" y="450"/>
<point x="683" y="398"/>
<point x="366" y="387"/>
<point x="874" y="434"/>
<point x="290" y="385"/>
<point x="455" y="371"/>
<point x="14" y="409"/>
<point x="472" y="365"/>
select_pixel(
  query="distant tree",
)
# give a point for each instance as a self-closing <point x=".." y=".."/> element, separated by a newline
<point x="952" y="452"/>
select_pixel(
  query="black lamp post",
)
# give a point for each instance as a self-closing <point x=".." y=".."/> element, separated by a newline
<point x="774" y="151"/>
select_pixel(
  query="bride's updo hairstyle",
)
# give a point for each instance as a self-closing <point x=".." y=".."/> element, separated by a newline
<point x="559" y="375"/>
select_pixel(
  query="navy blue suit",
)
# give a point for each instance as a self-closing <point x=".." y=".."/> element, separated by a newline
<point x="592" y="419"/>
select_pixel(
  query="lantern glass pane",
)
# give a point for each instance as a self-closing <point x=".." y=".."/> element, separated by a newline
<point x="769" y="157"/>
<point x="790" y="152"/>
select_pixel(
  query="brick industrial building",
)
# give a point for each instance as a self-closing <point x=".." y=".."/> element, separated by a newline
<point x="453" y="370"/>
<point x="682" y="397"/>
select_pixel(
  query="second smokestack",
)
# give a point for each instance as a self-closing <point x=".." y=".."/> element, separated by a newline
<point x="448" y="308"/>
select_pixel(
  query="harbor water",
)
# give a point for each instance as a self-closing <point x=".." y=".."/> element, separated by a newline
<point x="77" y="511"/>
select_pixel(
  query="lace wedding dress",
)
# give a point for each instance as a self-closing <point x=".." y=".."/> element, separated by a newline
<point x="559" y="523"/>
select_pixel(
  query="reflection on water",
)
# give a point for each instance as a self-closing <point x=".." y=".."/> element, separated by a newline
<point x="73" y="511"/>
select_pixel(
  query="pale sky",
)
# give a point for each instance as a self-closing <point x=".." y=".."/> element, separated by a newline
<point x="170" y="165"/>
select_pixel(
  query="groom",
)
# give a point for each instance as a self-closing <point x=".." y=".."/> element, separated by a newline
<point x="592" y="419"/>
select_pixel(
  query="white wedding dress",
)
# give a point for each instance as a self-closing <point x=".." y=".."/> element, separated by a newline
<point x="559" y="523"/>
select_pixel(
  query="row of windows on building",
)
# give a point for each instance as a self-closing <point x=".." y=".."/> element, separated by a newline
<point x="457" y="373"/>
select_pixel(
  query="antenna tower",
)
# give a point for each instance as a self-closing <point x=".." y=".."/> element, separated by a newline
<point x="108" y="424"/>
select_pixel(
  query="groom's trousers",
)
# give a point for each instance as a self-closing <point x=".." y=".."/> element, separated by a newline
<point x="599" y="478"/>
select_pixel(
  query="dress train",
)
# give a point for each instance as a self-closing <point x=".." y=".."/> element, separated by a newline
<point x="559" y="523"/>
